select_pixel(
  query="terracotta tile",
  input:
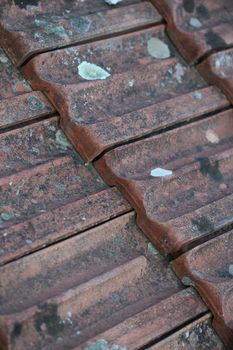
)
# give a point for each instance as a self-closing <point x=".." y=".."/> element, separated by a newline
<point x="209" y="268"/>
<point x="218" y="69"/>
<point x="94" y="283"/>
<point x="23" y="108"/>
<point x="47" y="192"/>
<point x="103" y="124"/>
<point x="192" y="200"/>
<point x="204" y="26"/>
<point x="150" y="324"/>
<point x="12" y="82"/>
<point x="196" y="335"/>
<point x="27" y="30"/>
<point x="141" y="90"/>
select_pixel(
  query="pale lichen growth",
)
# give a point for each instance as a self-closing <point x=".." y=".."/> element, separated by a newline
<point x="159" y="172"/>
<point x="194" y="22"/>
<point x="90" y="71"/>
<point x="158" y="49"/>
<point x="112" y="2"/>
<point x="212" y="136"/>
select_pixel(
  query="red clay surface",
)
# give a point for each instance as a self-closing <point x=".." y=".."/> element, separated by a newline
<point x="109" y="279"/>
<point x="191" y="203"/>
<point x="218" y="70"/>
<point x="203" y="25"/>
<point x="29" y="27"/>
<point x="144" y="92"/>
<point x="209" y="268"/>
<point x="76" y="271"/>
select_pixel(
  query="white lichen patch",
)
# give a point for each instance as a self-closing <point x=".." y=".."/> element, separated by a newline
<point x="90" y="71"/>
<point x="179" y="72"/>
<point x="194" y="22"/>
<point x="230" y="269"/>
<point x="131" y="82"/>
<point x="102" y="344"/>
<point x="159" y="172"/>
<point x="112" y="2"/>
<point x="212" y="136"/>
<point x="198" y="95"/>
<point x="157" y="48"/>
<point x="3" y="59"/>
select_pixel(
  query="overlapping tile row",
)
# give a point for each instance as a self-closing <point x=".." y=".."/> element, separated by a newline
<point x="47" y="193"/>
<point x="28" y="27"/>
<point x="196" y="335"/>
<point x="218" y="70"/>
<point x="18" y="103"/>
<point x="179" y="182"/>
<point x="209" y="268"/>
<point x="108" y="285"/>
<point x="204" y="26"/>
<point x="141" y="86"/>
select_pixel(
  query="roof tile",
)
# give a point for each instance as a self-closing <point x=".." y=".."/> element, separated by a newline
<point x="26" y="30"/>
<point x="12" y="82"/>
<point x="140" y="88"/>
<point x="109" y="281"/>
<point x="204" y="26"/>
<point x="209" y="267"/>
<point x="197" y="335"/>
<point x="218" y="69"/>
<point x="199" y="156"/>
<point x="23" y="108"/>
<point x="43" y="179"/>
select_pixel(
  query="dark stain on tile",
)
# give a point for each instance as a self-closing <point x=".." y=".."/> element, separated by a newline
<point x="214" y="40"/>
<point x="202" y="12"/>
<point x="212" y="170"/>
<point x="48" y="317"/>
<point x="16" y="330"/>
<point x="202" y="224"/>
<point x="189" y="5"/>
<point x="24" y="3"/>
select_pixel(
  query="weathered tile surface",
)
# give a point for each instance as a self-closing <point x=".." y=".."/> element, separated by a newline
<point x="12" y="82"/>
<point x="218" y="69"/>
<point x="47" y="193"/>
<point x="146" y="88"/>
<point x="196" y="335"/>
<point x="27" y="27"/>
<point x="204" y="26"/>
<point x="23" y="108"/>
<point x="108" y="281"/>
<point x="209" y="267"/>
<point x="179" y="182"/>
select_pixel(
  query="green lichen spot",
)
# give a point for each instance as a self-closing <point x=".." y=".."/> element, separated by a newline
<point x="7" y="216"/>
<point x="56" y="30"/>
<point x="61" y="140"/>
<point x="152" y="249"/>
<point x="90" y="71"/>
<point x="34" y="103"/>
